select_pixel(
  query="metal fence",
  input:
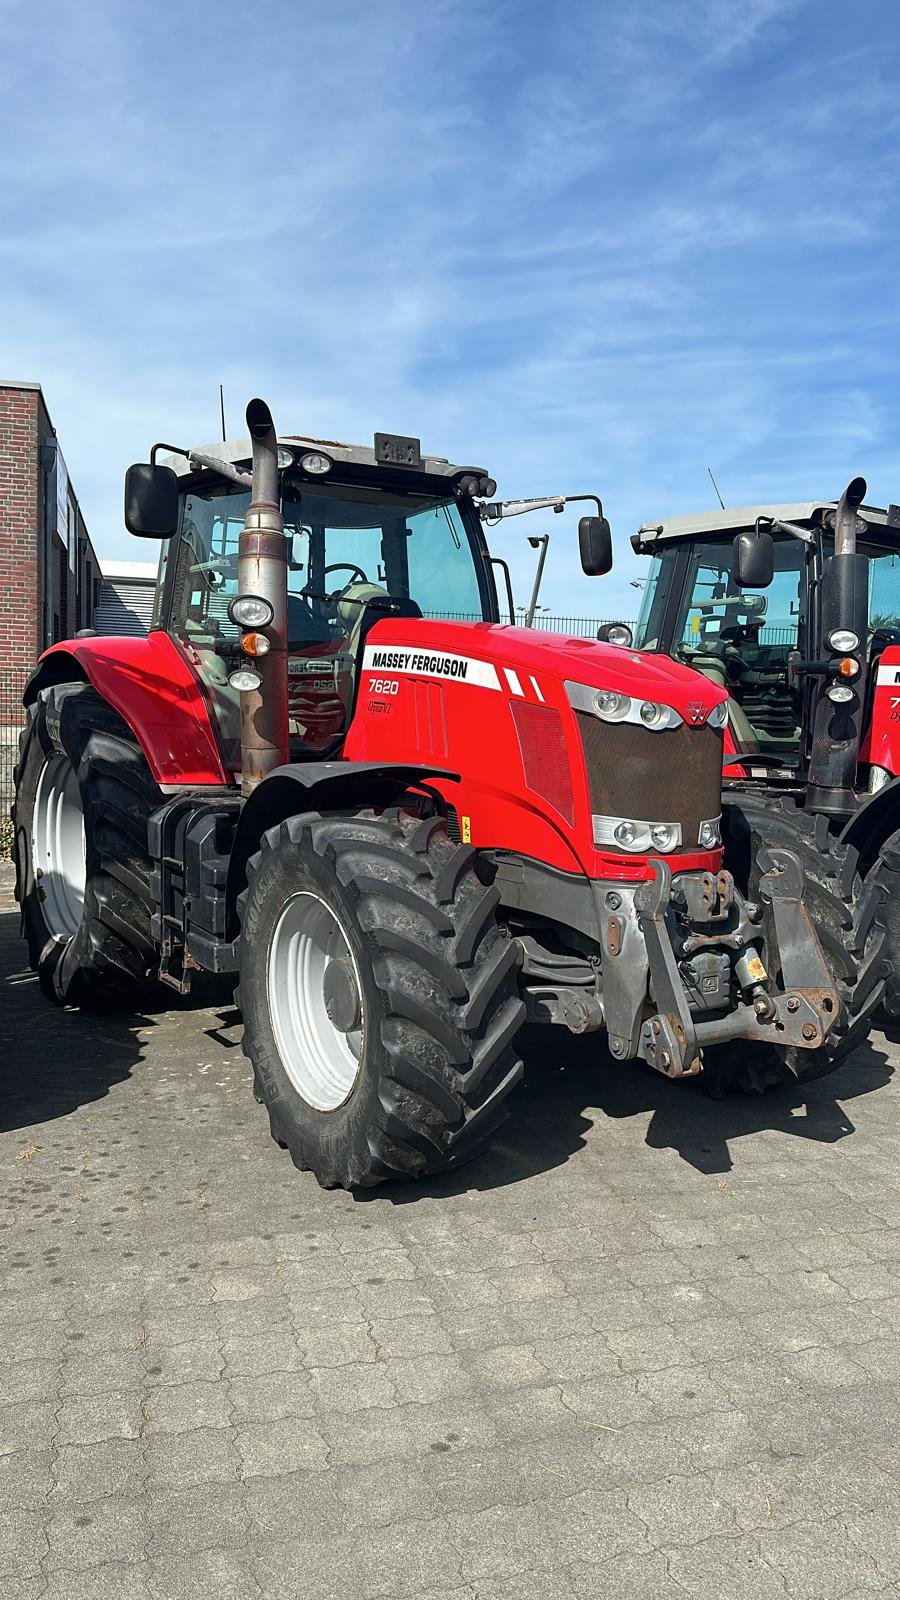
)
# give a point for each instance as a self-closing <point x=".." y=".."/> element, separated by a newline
<point x="575" y="627"/>
<point x="12" y="684"/>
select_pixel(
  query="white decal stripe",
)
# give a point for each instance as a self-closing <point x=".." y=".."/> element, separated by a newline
<point x="889" y="675"/>
<point x="537" y="688"/>
<point x="512" y="679"/>
<point x="414" y="662"/>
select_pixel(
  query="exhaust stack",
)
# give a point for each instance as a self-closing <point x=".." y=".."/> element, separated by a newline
<point x="837" y="726"/>
<point x="262" y="570"/>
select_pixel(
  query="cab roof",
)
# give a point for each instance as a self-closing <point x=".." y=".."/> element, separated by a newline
<point x="239" y="452"/>
<point x="734" y="519"/>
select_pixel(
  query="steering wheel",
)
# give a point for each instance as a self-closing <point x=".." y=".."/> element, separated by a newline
<point x="337" y="566"/>
<point x="347" y="566"/>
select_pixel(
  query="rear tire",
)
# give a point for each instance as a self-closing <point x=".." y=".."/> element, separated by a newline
<point x="846" y="913"/>
<point x="85" y="896"/>
<point x="428" y="1058"/>
<point x="885" y="875"/>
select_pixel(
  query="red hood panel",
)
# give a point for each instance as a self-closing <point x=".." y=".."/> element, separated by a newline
<point x="642" y="674"/>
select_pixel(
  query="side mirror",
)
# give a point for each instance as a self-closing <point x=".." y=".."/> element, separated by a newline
<point x="151" y="501"/>
<point x="595" y="546"/>
<point x="753" y="560"/>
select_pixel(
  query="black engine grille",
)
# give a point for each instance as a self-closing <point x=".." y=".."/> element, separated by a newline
<point x="670" y="776"/>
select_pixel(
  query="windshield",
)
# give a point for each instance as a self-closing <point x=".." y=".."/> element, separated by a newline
<point x="740" y="639"/>
<point x="346" y="545"/>
<point x="404" y="546"/>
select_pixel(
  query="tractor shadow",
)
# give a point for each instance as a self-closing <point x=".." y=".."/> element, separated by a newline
<point x="55" y="1059"/>
<point x="548" y="1123"/>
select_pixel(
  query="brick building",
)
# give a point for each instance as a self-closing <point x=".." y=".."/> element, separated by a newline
<point x="49" y="574"/>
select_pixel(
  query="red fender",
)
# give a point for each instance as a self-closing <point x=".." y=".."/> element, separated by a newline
<point x="153" y="688"/>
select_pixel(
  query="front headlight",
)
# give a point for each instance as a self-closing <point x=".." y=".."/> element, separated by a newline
<point x="614" y="633"/>
<point x="652" y="714"/>
<point x="710" y="834"/>
<point x="665" y="835"/>
<point x="244" y="678"/>
<point x="636" y="836"/>
<point x="250" y="611"/>
<point x="612" y="707"/>
<point x="843" y="640"/>
<point x="719" y="715"/>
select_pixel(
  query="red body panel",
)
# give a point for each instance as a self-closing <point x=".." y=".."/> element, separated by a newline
<point x="149" y="682"/>
<point x="469" y="728"/>
<point x="881" y="744"/>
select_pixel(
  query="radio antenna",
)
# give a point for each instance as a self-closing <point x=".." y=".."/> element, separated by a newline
<point x="711" y="479"/>
<point x="222" y="411"/>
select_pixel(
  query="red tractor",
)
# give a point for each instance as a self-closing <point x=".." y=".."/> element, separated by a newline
<point x="794" y="610"/>
<point x="405" y="835"/>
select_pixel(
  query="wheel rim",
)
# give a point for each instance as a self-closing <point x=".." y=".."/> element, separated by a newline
<point x="58" y="847"/>
<point x="321" y="1060"/>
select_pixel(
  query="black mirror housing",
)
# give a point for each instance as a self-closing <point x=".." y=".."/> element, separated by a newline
<point x="595" y="546"/>
<point x="151" y="501"/>
<point x="753" y="560"/>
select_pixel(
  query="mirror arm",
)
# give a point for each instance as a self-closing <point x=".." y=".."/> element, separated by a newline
<point x="792" y="528"/>
<point x="495" y="509"/>
<point x="173" y="449"/>
<point x="225" y="469"/>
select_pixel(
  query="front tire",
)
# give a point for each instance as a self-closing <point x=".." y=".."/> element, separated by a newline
<point x="84" y="795"/>
<point x="379" y="997"/>
<point x="846" y="913"/>
<point x="884" y="873"/>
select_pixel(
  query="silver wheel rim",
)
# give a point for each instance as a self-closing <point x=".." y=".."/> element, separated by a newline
<point x="320" y="1059"/>
<point x="58" y="847"/>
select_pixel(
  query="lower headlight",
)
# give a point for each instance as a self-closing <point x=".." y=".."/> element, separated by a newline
<point x="664" y="835"/>
<point x="710" y="834"/>
<point x="244" y="678"/>
<point x="840" y="692"/>
<point x="635" y="836"/>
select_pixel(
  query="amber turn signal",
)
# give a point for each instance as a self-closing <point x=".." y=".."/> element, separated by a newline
<point x="847" y="667"/>
<point x="254" y="644"/>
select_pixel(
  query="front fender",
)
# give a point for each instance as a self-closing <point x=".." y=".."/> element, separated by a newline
<point x="315" y="786"/>
<point x="152" y="687"/>
<point x="877" y="818"/>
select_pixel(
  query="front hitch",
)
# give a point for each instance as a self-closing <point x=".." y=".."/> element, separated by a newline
<point x="801" y="1016"/>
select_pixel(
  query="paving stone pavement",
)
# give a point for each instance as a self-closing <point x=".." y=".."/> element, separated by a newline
<point x="646" y="1346"/>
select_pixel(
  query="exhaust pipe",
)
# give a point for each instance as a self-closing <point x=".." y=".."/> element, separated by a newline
<point x="262" y="570"/>
<point x="845" y="520"/>
<point x="837" y="726"/>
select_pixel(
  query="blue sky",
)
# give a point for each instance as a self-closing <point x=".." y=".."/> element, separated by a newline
<point x="592" y="246"/>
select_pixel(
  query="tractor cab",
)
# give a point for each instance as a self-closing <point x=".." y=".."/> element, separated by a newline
<point x="754" y="640"/>
<point x="365" y="538"/>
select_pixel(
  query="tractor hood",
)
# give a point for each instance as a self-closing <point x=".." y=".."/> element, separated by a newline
<point x="524" y="657"/>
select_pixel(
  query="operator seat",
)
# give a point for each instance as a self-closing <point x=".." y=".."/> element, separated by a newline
<point x="362" y="605"/>
<point x="712" y="666"/>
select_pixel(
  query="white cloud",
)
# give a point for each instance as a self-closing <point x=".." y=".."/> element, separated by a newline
<point x="592" y="246"/>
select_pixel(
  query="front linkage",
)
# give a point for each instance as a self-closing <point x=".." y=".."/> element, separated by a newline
<point x="691" y="936"/>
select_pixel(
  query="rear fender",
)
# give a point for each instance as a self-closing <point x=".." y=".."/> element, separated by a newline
<point x="315" y="786"/>
<point x="152" y="687"/>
